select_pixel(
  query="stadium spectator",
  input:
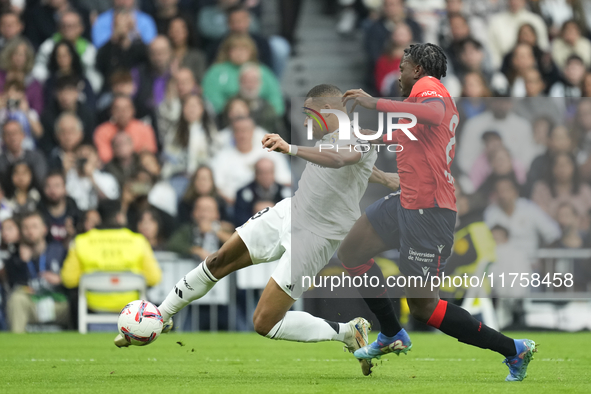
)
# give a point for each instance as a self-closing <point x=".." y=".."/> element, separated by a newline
<point x="239" y="22"/>
<point x="377" y="33"/>
<point x="60" y="212"/>
<point x="515" y="131"/>
<point x="503" y="29"/>
<point x="189" y="144"/>
<point x="124" y="50"/>
<point x="236" y="108"/>
<point x="476" y="25"/>
<point x="460" y="31"/>
<point x="110" y="248"/>
<point x="123" y="120"/>
<point x="86" y="183"/>
<point x="473" y="58"/>
<point x="150" y="226"/>
<point x="22" y="194"/>
<point x="152" y="79"/>
<point x="92" y="220"/>
<point x="526" y="222"/>
<point x="536" y="103"/>
<point x="474" y="89"/>
<point x="204" y="235"/>
<point x="261" y="111"/>
<point x="10" y="235"/>
<point x="184" y="47"/>
<point x="64" y="61"/>
<point x="170" y="109"/>
<point x="5" y="208"/>
<point x="520" y="59"/>
<point x="13" y="151"/>
<point x="562" y="184"/>
<point x="16" y="62"/>
<point x="42" y="18"/>
<point x="66" y="101"/>
<point x="495" y="162"/>
<point x="69" y="135"/>
<point x="569" y="219"/>
<point x="263" y="188"/>
<point x="201" y="184"/>
<point x="221" y="81"/>
<point x="560" y="140"/>
<point x="121" y="84"/>
<point x="36" y="294"/>
<point x="140" y="24"/>
<point x="148" y="189"/>
<point x="387" y="68"/>
<point x="571" y="42"/>
<point x="14" y="106"/>
<point x="233" y="166"/>
<point x="70" y="29"/>
<point x="11" y="26"/>
<point x="571" y="80"/>
<point x="126" y="163"/>
<point x="586" y="85"/>
<point x="164" y="11"/>
<point x="212" y="20"/>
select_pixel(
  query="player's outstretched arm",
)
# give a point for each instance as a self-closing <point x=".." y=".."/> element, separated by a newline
<point x="388" y="179"/>
<point x="326" y="157"/>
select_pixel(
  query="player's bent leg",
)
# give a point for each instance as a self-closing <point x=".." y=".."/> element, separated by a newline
<point x="273" y="319"/>
<point x="232" y="256"/>
<point x="361" y="244"/>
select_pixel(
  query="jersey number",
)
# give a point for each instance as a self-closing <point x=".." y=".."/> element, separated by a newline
<point x="260" y="213"/>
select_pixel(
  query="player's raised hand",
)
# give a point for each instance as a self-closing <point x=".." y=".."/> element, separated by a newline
<point x="273" y="142"/>
<point x="358" y="96"/>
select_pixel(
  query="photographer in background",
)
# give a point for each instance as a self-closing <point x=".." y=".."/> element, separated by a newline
<point x="86" y="183"/>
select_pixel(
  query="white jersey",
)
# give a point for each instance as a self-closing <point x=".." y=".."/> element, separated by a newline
<point x="327" y="200"/>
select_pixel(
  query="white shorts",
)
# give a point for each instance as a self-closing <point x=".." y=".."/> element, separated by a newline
<point x="267" y="235"/>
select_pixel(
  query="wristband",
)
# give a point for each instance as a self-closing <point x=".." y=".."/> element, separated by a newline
<point x="293" y="150"/>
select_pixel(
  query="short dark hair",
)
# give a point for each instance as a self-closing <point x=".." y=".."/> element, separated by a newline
<point x="28" y="214"/>
<point x="324" y="90"/>
<point x="108" y="210"/>
<point x="67" y="81"/>
<point x="430" y="57"/>
<point x="236" y="8"/>
<point x="470" y="41"/>
<point x="510" y="178"/>
<point x="574" y="57"/>
<point x="55" y="172"/>
<point x="501" y="228"/>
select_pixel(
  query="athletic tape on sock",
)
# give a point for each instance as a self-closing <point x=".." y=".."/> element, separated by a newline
<point x="360" y="269"/>
<point x="438" y="314"/>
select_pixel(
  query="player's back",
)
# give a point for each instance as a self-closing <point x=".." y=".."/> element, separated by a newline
<point x="424" y="164"/>
<point x="327" y="199"/>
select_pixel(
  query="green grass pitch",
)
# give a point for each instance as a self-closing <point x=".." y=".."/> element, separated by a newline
<point x="247" y="363"/>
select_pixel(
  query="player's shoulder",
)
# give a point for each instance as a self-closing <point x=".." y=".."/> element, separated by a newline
<point x="429" y="87"/>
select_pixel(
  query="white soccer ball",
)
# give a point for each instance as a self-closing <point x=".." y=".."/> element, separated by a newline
<point x="140" y="322"/>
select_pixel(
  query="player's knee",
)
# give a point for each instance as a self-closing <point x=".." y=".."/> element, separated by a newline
<point x="215" y="261"/>
<point x="262" y="325"/>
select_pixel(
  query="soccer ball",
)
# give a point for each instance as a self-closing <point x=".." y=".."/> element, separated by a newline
<point x="140" y="322"/>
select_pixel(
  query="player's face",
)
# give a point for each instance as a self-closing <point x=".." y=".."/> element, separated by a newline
<point x="408" y="76"/>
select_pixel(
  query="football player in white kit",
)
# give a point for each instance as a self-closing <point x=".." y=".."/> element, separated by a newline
<point x="302" y="233"/>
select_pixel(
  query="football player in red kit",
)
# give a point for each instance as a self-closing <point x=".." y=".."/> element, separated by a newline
<point x="419" y="219"/>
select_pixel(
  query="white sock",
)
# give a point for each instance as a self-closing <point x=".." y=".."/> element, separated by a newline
<point x="193" y="286"/>
<point x="303" y="327"/>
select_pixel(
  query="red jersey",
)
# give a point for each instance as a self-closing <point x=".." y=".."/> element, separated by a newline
<point x="424" y="164"/>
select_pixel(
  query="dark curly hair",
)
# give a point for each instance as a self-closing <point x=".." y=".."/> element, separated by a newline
<point x="429" y="56"/>
<point x="77" y="68"/>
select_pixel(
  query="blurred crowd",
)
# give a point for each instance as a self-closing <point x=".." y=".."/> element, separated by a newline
<point x="160" y="105"/>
